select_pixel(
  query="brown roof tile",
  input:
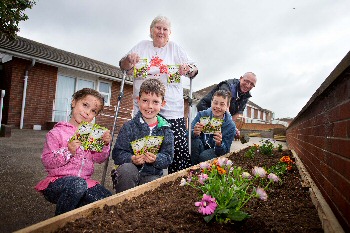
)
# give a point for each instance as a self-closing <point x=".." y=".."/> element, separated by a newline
<point x="44" y="52"/>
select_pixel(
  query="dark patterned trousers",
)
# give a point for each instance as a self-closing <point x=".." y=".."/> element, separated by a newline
<point x="71" y="192"/>
<point x="182" y="157"/>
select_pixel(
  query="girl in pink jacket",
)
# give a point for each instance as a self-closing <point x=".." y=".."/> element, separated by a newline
<point x="69" y="166"/>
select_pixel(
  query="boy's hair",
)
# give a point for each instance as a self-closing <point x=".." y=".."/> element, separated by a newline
<point x="224" y="94"/>
<point x="153" y="86"/>
<point x="88" y="91"/>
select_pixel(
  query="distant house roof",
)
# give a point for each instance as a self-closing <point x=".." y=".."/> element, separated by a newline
<point x="29" y="49"/>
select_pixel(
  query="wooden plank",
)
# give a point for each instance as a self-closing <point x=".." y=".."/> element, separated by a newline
<point x="56" y="222"/>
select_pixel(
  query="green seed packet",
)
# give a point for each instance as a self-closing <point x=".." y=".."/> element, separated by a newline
<point x="138" y="146"/>
<point x="174" y="75"/>
<point x="90" y="136"/>
<point x="216" y="124"/>
<point x="153" y="144"/>
<point x="83" y="132"/>
<point x="211" y="126"/>
<point x="140" y="69"/>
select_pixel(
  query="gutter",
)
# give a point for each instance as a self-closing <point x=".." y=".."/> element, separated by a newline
<point x="25" y="92"/>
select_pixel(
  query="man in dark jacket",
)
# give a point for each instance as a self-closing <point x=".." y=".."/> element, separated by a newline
<point x="240" y="91"/>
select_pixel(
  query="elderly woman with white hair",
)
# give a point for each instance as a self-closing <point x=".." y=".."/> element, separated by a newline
<point x="165" y="60"/>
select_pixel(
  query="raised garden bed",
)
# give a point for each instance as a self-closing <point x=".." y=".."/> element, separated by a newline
<point x="170" y="207"/>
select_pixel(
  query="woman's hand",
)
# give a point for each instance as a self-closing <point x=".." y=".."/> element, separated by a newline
<point x="198" y="129"/>
<point x="218" y="138"/>
<point x="150" y="157"/>
<point x="106" y="137"/>
<point x="188" y="70"/>
<point x="73" y="146"/>
<point x="133" y="59"/>
<point x="138" y="159"/>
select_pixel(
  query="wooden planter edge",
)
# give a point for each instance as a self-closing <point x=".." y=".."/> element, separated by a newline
<point x="330" y="223"/>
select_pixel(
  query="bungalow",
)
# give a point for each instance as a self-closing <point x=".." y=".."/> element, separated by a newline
<point x="39" y="81"/>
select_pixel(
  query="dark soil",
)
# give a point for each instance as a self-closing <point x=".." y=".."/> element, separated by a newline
<point x="170" y="208"/>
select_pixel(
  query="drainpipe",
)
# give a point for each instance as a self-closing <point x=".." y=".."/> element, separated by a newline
<point x="25" y="92"/>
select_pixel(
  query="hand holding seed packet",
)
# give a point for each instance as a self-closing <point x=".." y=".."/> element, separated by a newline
<point x="211" y="125"/>
<point x="147" y="144"/>
<point x="90" y="136"/>
<point x="174" y="74"/>
<point x="140" y="68"/>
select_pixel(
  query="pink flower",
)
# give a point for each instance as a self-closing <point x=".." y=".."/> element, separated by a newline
<point x="273" y="177"/>
<point x="207" y="206"/>
<point x="204" y="165"/>
<point x="259" y="171"/>
<point x="229" y="163"/>
<point x="222" y="161"/>
<point x="260" y="192"/>
<point x="202" y="178"/>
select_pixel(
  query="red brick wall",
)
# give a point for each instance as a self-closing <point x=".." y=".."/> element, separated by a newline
<point x="249" y="112"/>
<point x="40" y="93"/>
<point x="107" y="117"/>
<point x="320" y="135"/>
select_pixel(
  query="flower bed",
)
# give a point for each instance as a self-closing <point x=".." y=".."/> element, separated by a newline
<point x="286" y="207"/>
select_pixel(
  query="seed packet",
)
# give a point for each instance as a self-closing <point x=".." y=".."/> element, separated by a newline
<point x="138" y="146"/>
<point x="90" y="136"/>
<point x="206" y="122"/>
<point x="140" y="68"/>
<point x="153" y="144"/>
<point x="216" y="124"/>
<point x="95" y="141"/>
<point x="211" y="126"/>
<point x="174" y="75"/>
<point x="82" y="134"/>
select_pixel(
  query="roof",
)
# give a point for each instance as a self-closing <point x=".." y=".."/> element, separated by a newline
<point x="25" y="48"/>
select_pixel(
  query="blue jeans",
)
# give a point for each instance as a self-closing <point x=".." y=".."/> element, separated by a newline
<point x="199" y="153"/>
<point x="71" y="192"/>
<point x="127" y="176"/>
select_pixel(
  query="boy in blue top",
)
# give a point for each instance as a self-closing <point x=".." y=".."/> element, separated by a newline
<point x="208" y="146"/>
<point x="139" y="168"/>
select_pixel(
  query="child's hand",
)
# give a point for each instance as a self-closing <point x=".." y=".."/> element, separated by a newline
<point x="138" y="160"/>
<point x="106" y="137"/>
<point x="73" y="146"/>
<point x="218" y="138"/>
<point x="198" y="128"/>
<point x="150" y="157"/>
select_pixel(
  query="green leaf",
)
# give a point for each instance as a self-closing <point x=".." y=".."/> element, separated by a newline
<point x="209" y="217"/>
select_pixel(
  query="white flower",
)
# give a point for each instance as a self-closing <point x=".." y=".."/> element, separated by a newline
<point x="183" y="182"/>
<point x="259" y="171"/>
<point x="260" y="192"/>
<point x="246" y="175"/>
<point x="273" y="177"/>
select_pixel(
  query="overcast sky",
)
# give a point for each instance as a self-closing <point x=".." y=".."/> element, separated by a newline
<point x="292" y="46"/>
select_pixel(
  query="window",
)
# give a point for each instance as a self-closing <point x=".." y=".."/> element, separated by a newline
<point x="105" y="89"/>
